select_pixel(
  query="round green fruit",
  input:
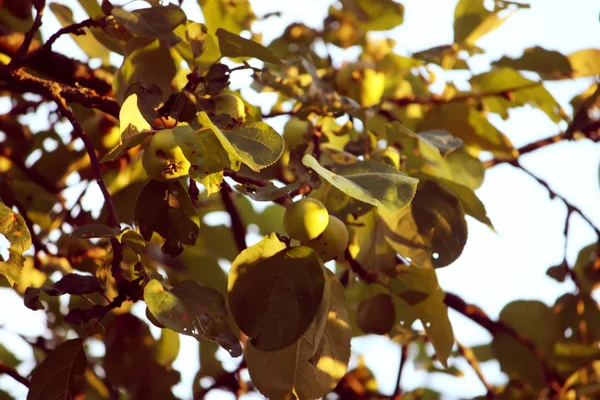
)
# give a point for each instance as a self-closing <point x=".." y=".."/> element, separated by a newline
<point x="163" y="160"/>
<point x="305" y="219"/>
<point x="230" y="104"/>
<point x="332" y="243"/>
<point x="296" y="132"/>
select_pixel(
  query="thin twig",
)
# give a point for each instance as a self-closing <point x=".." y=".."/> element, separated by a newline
<point x="553" y="194"/>
<point x="468" y="355"/>
<point x="237" y="225"/>
<point x="436" y="99"/>
<point x="403" y="356"/>
<point x="17" y="60"/>
<point x="76" y="29"/>
<point x="5" y="369"/>
<point x="477" y="315"/>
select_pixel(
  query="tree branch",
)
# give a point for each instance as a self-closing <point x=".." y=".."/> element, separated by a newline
<point x="478" y="316"/>
<point x="237" y="225"/>
<point x="464" y="97"/>
<point x="403" y="356"/>
<point x="17" y="60"/>
<point x="5" y="369"/>
<point x="468" y="355"/>
<point x="76" y="29"/>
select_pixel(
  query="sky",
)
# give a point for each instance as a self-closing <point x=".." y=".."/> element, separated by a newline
<point x="495" y="267"/>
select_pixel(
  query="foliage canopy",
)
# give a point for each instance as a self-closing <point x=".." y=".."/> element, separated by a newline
<point x="170" y="146"/>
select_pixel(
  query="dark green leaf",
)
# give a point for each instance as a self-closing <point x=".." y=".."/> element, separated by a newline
<point x="75" y="284"/>
<point x="274" y="292"/>
<point x="8" y="358"/>
<point x="53" y="378"/>
<point x="31" y="299"/>
<point x="155" y="22"/>
<point x="526" y="317"/>
<point x="194" y="310"/>
<point x="166" y="208"/>
<point x="549" y="64"/>
<point x="232" y="45"/>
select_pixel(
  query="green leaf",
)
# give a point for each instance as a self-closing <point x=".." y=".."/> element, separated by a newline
<point x="469" y="125"/>
<point x="155" y="22"/>
<point x="53" y="378"/>
<point x="508" y="78"/>
<point x="275" y="292"/>
<point x="566" y="309"/>
<point x="586" y="268"/>
<point x="526" y="317"/>
<point x="14" y="229"/>
<point x="433" y="232"/>
<point x="297" y="371"/>
<point x="267" y="193"/>
<point x="368" y="243"/>
<point x="585" y="62"/>
<point x="469" y="200"/>
<point x="150" y="64"/>
<point x="420" y="289"/>
<point x="166" y="208"/>
<point x="256" y="145"/>
<point x="376" y="15"/>
<point x="232" y="45"/>
<point x="373" y="183"/>
<point x="194" y="310"/>
<point x="94" y="231"/>
<point x="443" y="140"/>
<point x="549" y="64"/>
<point x="376" y="314"/>
<point x="87" y="42"/>
<point x="472" y="21"/>
<point x="232" y="16"/>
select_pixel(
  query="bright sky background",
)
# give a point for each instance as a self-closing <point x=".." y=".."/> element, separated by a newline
<point x="495" y="268"/>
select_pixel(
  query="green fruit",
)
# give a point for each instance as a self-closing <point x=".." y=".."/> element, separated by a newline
<point x="305" y="219"/>
<point x="361" y="83"/>
<point x="332" y="243"/>
<point x="163" y="160"/>
<point x="230" y="104"/>
<point x="296" y="132"/>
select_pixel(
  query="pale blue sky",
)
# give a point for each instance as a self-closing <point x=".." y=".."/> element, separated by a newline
<point x="494" y="268"/>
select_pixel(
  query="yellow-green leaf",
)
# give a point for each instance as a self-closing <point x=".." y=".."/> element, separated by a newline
<point x="14" y="229"/>
<point x="232" y="45"/>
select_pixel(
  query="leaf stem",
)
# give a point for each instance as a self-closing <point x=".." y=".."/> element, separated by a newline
<point x="237" y="225"/>
<point x="5" y="369"/>
<point x="468" y="355"/>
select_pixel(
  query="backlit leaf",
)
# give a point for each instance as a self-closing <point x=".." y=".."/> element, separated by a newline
<point x="376" y="15"/>
<point x="234" y="16"/>
<point x="549" y="64"/>
<point x="370" y="182"/>
<point x="275" y="293"/>
<point x="232" y="45"/>
<point x="585" y="62"/>
<point x="14" y="229"/>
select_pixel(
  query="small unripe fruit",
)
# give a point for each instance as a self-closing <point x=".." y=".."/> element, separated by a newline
<point x="230" y="104"/>
<point x="163" y="160"/>
<point x="296" y="132"/>
<point x="305" y="219"/>
<point x="332" y="243"/>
